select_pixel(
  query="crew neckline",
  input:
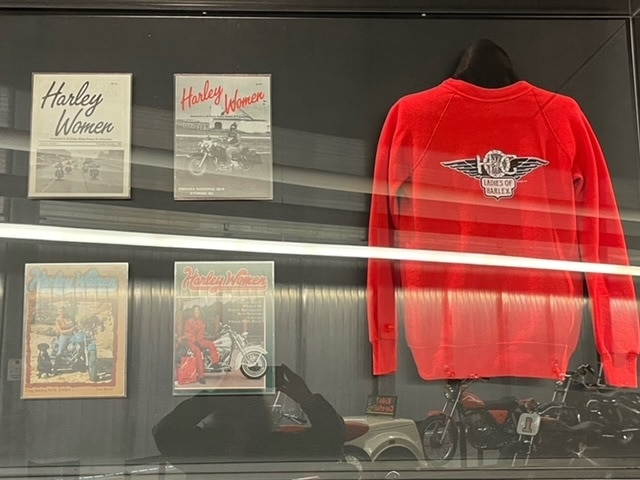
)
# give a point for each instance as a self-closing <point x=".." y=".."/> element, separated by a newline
<point x="481" y="93"/>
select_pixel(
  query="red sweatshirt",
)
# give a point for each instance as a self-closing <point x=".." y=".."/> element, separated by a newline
<point x="510" y="171"/>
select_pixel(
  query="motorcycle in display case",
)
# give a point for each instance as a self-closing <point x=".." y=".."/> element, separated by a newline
<point x="581" y="415"/>
<point x="575" y="400"/>
<point x="486" y="424"/>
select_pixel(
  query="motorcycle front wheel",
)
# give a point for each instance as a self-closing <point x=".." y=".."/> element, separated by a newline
<point x="249" y="161"/>
<point x="197" y="166"/>
<point x="245" y="167"/>
<point x="254" y="365"/>
<point x="439" y="446"/>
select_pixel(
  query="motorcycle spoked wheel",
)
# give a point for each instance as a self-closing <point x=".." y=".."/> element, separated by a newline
<point x="197" y="166"/>
<point x="438" y="448"/>
<point x="254" y="365"/>
<point x="246" y="166"/>
<point x="249" y="161"/>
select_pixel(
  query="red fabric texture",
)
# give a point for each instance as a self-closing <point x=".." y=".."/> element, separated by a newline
<point x="194" y="332"/>
<point x="511" y="171"/>
<point x="187" y="371"/>
<point x="196" y="348"/>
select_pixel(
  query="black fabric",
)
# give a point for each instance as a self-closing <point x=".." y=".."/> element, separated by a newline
<point x="486" y="64"/>
<point x="210" y="429"/>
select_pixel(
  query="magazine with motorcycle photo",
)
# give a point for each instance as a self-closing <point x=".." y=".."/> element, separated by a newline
<point x="75" y="330"/>
<point x="222" y="142"/>
<point x="80" y="136"/>
<point x="223" y="328"/>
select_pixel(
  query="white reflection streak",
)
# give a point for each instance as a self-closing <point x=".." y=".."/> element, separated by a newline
<point x="45" y="233"/>
<point x="307" y="177"/>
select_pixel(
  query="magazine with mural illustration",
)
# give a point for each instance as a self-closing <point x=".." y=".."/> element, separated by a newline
<point x="80" y="136"/>
<point x="223" y="328"/>
<point x="222" y="143"/>
<point x="75" y="330"/>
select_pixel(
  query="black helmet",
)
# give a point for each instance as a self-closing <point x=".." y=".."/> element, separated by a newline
<point x="234" y="125"/>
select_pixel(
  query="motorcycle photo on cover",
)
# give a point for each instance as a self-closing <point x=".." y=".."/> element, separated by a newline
<point x="59" y="172"/>
<point x="80" y="353"/>
<point x="235" y="353"/>
<point x="92" y="168"/>
<point x="466" y="418"/>
<point x="212" y="155"/>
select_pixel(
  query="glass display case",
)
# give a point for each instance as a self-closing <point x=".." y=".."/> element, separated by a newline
<point x="319" y="239"/>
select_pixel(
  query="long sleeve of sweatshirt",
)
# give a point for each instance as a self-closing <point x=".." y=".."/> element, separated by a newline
<point x="388" y="177"/>
<point x="601" y="240"/>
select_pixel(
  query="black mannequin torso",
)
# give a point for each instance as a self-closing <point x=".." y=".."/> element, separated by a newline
<point x="485" y="64"/>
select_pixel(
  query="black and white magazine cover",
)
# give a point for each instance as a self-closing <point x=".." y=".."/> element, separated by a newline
<point x="80" y="136"/>
<point x="223" y="147"/>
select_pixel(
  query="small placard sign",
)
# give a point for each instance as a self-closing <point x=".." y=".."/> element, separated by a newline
<point x="381" y="405"/>
<point x="14" y="370"/>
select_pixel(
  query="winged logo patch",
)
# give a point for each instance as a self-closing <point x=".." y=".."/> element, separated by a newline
<point x="497" y="172"/>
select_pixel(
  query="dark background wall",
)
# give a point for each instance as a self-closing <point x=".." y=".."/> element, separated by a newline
<point x="334" y="77"/>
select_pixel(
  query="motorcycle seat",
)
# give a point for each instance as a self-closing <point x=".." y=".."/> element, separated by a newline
<point x="558" y="426"/>
<point x="502" y="403"/>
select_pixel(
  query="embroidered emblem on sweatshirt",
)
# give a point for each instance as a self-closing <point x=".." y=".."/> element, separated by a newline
<point x="498" y="173"/>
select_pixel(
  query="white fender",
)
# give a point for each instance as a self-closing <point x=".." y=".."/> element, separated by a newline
<point x="255" y="348"/>
<point x="237" y="361"/>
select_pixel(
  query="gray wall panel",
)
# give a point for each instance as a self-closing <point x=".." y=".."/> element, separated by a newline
<point x="287" y="307"/>
<point x="337" y="357"/>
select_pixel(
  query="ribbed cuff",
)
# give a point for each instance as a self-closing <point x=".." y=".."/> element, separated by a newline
<point x="621" y="370"/>
<point x="385" y="357"/>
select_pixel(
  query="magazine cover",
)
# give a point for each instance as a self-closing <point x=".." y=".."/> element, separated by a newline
<point x="223" y="328"/>
<point x="223" y="137"/>
<point x="75" y="330"/>
<point x="80" y="136"/>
